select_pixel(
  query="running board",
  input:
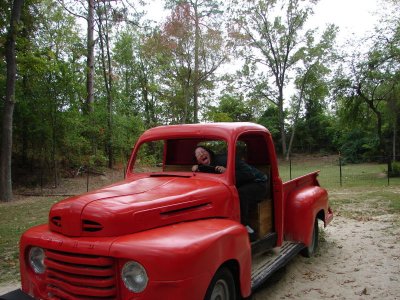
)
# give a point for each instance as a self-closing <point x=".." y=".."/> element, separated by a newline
<point x="265" y="265"/>
<point x="264" y="244"/>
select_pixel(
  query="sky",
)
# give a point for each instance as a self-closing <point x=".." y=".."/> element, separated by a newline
<point x="354" y="17"/>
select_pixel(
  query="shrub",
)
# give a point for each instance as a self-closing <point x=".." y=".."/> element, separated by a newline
<point x="395" y="169"/>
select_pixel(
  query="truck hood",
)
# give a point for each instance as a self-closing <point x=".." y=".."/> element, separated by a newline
<point x="136" y="205"/>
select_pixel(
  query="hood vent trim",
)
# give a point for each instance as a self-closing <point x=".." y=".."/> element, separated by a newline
<point x="56" y="221"/>
<point x="91" y="226"/>
<point x="186" y="209"/>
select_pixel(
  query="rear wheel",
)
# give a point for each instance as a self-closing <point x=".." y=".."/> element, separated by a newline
<point x="310" y="250"/>
<point x="222" y="286"/>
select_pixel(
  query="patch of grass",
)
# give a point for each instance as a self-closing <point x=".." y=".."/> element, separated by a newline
<point x="353" y="175"/>
<point x="363" y="203"/>
<point x="15" y="218"/>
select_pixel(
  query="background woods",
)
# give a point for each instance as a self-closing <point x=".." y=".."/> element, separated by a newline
<point x="80" y="80"/>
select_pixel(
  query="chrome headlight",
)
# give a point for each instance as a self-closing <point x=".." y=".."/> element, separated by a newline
<point x="36" y="260"/>
<point x="134" y="277"/>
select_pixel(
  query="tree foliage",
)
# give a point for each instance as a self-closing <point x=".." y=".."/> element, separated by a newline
<point x="271" y="35"/>
<point x="192" y="39"/>
<point x="369" y="93"/>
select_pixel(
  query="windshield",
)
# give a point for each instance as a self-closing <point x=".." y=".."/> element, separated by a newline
<point x="174" y="155"/>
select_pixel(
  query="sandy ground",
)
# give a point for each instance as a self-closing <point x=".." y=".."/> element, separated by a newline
<point x="356" y="260"/>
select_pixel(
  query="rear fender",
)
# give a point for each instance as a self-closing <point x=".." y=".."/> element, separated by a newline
<point x="302" y="207"/>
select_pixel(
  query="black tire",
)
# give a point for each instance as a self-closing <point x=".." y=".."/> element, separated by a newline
<point x="222" y="286"/>
<point x="312" y="249"/>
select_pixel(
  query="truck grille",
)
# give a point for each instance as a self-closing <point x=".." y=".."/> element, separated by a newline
<point x="73" y="276"/>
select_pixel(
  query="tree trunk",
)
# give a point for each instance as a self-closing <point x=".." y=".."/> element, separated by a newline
<point x="90" y="58"/>
<point x="374" y="107"/>
<point x="8" y="109"/>
<point x="53" y="143"/>
<point x="302" y="88"/>
<point x="289" y="150"/>
<point x="380" y="135"/>
<point x="196" y="67"/>
<point x="394" y="138"/>
<point x="282" y="122"/>
<point x="186" y="95"/>
<point x="107" y="75"/>
<point x="282" y="129"/>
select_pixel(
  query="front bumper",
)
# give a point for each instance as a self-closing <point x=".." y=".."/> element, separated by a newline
<point x="16" y="295"/>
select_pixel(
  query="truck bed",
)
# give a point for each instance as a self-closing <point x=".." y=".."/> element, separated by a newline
<point x="309" y="179"/>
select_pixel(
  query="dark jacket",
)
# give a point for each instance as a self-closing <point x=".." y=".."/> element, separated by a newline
<point x="244" y="173"/>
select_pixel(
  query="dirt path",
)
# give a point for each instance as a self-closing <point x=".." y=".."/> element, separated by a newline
<point x="356" y="260"/>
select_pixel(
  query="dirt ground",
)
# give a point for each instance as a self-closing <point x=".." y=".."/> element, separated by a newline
<point x="357" y="259"/>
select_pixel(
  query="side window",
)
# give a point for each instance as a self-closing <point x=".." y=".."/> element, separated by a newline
<point x="149" y="157"/>
<point x="252" y="148"/>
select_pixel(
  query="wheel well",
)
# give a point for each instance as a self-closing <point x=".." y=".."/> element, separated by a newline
<point x="321" y="215"/>
<point x="233" y="266"/>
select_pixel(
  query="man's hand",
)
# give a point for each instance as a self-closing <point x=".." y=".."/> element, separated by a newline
<point x="220" y="169"/>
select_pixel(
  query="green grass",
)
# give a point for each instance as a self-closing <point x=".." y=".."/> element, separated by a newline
<point x="15" y="218"/>
<point x="353" y="175"/>
<point x="365" y="203"/>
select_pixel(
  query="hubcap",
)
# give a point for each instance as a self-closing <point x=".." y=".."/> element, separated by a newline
<point x="220" y="291"/>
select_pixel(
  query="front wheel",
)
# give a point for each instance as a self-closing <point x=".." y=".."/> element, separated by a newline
<point x="222" y="286"/>
<point x="310" y="250"/>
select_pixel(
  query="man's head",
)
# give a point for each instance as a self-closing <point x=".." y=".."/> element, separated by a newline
<point x="203" y="155"/>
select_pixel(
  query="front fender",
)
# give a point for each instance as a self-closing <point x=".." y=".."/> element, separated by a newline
<point x="181" y="259"/>
<point x="302" y="207"/>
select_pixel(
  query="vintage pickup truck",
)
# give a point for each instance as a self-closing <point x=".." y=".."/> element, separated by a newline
<point x="166" y="232"/>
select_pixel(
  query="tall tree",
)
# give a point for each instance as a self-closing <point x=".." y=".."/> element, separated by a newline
<point x="372" y="84"/>
<point x="311" y="83"/>
<point x="108" y="15"/>
<point x="88" y="14"/>
<point x="367" y="90"/>
<point x="90" y="57"/>
<point x="195" y="28"/>
<point x="6" y="193"/>
<point x="270" y="34"/>
<point x="104" y="10"/>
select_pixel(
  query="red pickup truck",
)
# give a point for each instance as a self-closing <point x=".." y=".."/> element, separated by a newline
<point x="166" y="232"/>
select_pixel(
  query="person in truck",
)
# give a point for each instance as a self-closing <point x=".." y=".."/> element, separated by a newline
<point x="250" y="182"/>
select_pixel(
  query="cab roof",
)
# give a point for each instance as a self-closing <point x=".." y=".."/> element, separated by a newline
<point x="223" y="130"/>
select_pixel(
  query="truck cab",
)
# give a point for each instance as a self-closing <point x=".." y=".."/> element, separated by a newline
<point x="166" y="232"/>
